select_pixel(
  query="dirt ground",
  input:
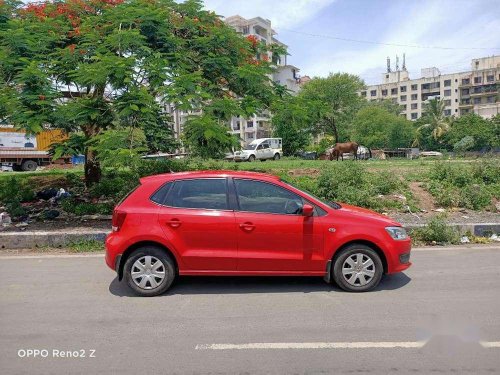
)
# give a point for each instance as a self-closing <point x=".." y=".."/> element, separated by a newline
<point x="53" y="225"/>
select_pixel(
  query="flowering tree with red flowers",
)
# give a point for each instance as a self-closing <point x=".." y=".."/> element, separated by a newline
<point x="92" y="65"/>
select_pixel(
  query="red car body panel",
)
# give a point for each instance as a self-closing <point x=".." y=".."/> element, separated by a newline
<point x="233" y="242"/>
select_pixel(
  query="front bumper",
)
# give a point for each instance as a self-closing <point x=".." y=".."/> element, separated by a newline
<point x="241" y="157"/>
<point x="398" y="255"/>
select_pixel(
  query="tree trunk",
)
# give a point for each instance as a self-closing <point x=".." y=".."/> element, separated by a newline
<point x="334" y="128"/>
<point x="92" y="168"/>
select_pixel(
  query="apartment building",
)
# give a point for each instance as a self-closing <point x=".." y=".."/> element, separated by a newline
<point x="259" y="125"/>
<point x="465" y="92"/>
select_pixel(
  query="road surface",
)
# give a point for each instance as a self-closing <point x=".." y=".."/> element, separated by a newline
<point x="441" y="316"/>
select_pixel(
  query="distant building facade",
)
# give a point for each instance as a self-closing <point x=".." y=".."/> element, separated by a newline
<point x="474" y="91"/>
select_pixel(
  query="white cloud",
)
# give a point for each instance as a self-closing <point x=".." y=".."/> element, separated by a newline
<point x="282" y="13"/>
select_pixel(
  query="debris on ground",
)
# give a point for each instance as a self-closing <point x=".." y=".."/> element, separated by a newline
<point x="440" y="210"/>
<point x="495" y="237"/>
<point x="464" y="239"/>
<point x="5" y="219"/>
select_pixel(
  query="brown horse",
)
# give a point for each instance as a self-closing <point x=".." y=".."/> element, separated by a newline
<point x="340" y="148"/>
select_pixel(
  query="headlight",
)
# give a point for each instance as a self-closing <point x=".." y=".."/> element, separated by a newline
<point x="397" y="233"/>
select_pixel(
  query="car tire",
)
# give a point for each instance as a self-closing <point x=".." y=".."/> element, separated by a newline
<point x="277" y="156"/>
<point x="29" y="166"/>
<point x="145" y="276"/>
<point x="366" y="266"/>
<point x="251" y="158"/>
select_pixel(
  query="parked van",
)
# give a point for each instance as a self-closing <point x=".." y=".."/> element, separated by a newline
<point x="261" y="149"/>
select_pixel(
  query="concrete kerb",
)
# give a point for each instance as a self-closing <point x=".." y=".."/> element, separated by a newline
<point x="62" y="238"/>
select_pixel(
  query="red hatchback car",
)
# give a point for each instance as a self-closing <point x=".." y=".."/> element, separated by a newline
<point x="247" y="224"/>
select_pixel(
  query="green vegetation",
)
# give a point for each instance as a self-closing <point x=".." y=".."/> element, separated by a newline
<point x="469" y="186"/>
<point x="436" y="231"/>
<point x="120" y="60"/>
<point x="86" y="246"/>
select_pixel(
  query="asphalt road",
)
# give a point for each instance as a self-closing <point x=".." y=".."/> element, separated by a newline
<point x="429" y="320"/>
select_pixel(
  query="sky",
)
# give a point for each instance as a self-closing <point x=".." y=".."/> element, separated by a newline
<point x="470" y="27"/>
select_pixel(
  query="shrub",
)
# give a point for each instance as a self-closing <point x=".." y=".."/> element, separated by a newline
<point x="436" y="231"/>
<point x="13" y="192"/>
<point x="86" y="208"/>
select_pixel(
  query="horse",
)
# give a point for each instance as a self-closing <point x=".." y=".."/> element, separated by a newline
<point x="340" y="148"/>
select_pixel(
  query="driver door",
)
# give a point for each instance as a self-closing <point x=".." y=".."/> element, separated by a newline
<point x="272" y="233"/>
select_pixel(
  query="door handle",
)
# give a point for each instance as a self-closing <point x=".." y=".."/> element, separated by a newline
<point x="174" y="223"/>
<point x="247" y="227"/>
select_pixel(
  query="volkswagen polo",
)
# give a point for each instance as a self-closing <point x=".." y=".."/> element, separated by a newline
<point x="228" y="223"/>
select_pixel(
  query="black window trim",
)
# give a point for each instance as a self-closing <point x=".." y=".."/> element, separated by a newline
<point x="173" y="182"/>
<point x="237" y="203"/>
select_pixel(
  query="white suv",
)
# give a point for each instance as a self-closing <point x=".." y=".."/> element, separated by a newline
<point x="260" y="149"/>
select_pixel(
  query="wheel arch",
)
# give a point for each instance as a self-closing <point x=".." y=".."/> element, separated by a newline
<point x="370" y="244"/>
<point x="130" y="250"/>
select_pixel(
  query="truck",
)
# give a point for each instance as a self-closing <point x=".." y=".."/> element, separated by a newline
<point x="26" y="152"/>
<point x="261" y="149"/>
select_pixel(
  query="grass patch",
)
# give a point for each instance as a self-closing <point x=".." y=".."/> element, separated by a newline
<point x="436" y="232"/>
<point x="86" y="246"/>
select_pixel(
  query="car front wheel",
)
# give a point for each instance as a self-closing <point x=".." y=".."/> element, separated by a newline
<point x="358" y="269"/>
<point x="149" y="271"/>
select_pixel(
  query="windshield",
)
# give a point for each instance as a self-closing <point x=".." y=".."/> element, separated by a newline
<point x="331" y="204"/>
<point x="249" y="147"/>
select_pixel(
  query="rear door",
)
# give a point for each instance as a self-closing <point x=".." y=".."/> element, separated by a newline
<point x="197" y="220"/>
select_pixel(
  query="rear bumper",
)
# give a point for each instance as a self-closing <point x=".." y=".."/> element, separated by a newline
<point x="113" y="251"/>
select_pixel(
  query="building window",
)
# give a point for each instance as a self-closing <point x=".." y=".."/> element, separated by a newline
<point x="447" y="102"/>
<point x="465" y="81"/>
<point x="491" y="99"/>
<point x="403" y="98"/>
<point x="363" y="93"/>
<point x="414" y="116"/>
<point x="414" y="106"/>
<point x="250" y="124"/>
<point x="373" y="92"/>
<point x="465" y="101"/>
<point x="414" y="96"/>
<point x="490" y="78"/>
<point x="414" y="87"/>
<point x="447" y="92"/>
<point x="477" y="100"/>
<point x="403" y="107"/>
<point x="237" y="125"/>
<point x="426" y="86"/>
<point x="394" y="91"/>
<point x="477" y="79"/>
<point x="447" y="112"/>
<point x="402" y="89"/>
<point x="465" y="91"/>
<point x="465" y="111"/>
<point x="447" y="82"/>
<point x="384" y="92"/>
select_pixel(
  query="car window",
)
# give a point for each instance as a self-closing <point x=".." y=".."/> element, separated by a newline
<point x="257" y="196"/>
<point x="199" y="193"/>
<point x="160" y="194"/>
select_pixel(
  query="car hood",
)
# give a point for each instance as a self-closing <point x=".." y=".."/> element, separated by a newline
<point x="364" y="213"/>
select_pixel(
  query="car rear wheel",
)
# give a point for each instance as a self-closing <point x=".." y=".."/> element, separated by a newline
<point x="358" y="269"/>
<point x="276" y="156"/>
<point x="149" y="271"/>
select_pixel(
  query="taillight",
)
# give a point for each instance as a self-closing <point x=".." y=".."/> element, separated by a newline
<point x="118" y="219"/>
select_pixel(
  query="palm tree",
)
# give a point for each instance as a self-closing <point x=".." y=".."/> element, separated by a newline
<point x="435" y="119"/>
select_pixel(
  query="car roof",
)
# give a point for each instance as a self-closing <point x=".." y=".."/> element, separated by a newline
<point x="207" y="174"/>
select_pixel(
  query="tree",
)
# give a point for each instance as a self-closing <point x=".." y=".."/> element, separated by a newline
<point x="481" y="130"/>
<point x="435" y="120"/>
<point x="95" y="65"/>
<point x="376" y="127"/>
<point x="335" y="101"/>
<point x="293" y="122"/>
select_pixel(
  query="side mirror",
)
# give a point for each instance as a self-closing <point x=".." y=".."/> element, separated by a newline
<point x="307" y="210"/>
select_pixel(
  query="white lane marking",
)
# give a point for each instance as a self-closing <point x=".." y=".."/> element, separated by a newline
<point x="490" y="344"/>
<point x="313" y="345"/>
<point x="329" y="345"/>
<point x="459" y="248"/>
<point x="64" y="256"/>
